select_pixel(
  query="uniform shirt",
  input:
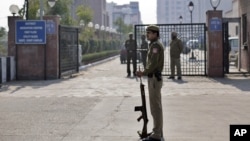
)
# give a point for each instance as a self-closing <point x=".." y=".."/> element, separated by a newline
<point x="130" y="45"/>
<point x="144" y="45"/>
<point x="176" y="48"/>
<point x="155" y="58"/>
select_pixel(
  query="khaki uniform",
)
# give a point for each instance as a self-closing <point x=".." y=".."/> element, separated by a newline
<point x="176" y="48"/>
<point x="144" y="52"/>
<point x="155" y="61"/>
<point x="131" y="46"/>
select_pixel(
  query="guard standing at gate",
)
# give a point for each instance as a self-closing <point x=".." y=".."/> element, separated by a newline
<point x="176" y="48"/>
<point x="144" y="50"/>
<point x="227" y="51"/>
<point x="131" y="47"/>
<point x="154" y="67"/>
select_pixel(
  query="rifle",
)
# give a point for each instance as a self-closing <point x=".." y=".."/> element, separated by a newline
<point x="143" y="109"/>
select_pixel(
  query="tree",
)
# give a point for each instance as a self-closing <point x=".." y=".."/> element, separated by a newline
<point x="2" y="32"/>
<point x="61" y="8"/>
<point x="3" y="41"/>
<point x="34" y="5"/>
<point x="84" y="13"/>
<point x="122" y="27"/>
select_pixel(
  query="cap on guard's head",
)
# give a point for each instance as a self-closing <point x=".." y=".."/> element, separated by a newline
<point x="152" y="28"/>
<point x="130" y="33"/>
<point x="174" y="33"/>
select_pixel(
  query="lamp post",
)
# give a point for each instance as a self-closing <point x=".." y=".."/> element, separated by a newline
<point x="90" y="24"/>
<point x="81" y="23"/>
<point x="215" y="3"/>
<point x="102" y="29"/>
<point x="52" y="3"/>
<point x="180" y="18"/>
<point x="107" y="32"/>
<point x="14" y="9"/>
<point x="97" y="27"/>
<point x="26" y="2"/>
<point x="191" y="8"/>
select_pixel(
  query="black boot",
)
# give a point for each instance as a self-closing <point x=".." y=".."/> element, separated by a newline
<point x="150" y="139"/>
<point x="171" y="77"/>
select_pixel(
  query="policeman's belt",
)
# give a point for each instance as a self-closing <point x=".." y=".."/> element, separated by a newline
<point x="150" y="75"/>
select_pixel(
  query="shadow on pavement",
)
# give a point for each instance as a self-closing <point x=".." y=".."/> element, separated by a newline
<point x="34" y="84"/>
<point x="242" y="83"/>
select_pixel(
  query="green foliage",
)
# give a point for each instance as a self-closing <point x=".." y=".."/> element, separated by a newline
<point x="34" y="5"/>
<point x="84" y="13"/>
<point x="98" y="56"/>
<point x="61" y="8"/>
<point x="2" y="32"/>
<point x="3" y="41"/>
<point x="94" y="45"/>
<point x="86" y="33"/>
<point x="122" y="27"/>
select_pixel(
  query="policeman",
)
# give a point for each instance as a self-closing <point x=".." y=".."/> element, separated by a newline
<point x="176" y="48"/>
<point x="154" y="67"/>
<point x="144" y="51"/>
<point x="131" y="46"/>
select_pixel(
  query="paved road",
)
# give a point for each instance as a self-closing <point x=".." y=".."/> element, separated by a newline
<point x="98" y="103"/>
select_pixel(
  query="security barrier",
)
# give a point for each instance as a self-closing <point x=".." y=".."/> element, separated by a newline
<point x="7" y="69"/>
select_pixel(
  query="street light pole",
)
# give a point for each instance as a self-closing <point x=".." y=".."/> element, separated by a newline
<point x="215" y="3"/>
<point x="180" y="18"/>
<point x="41" y="9"/>
<point x="191" y="8"/>
<point x="27" y="8"/>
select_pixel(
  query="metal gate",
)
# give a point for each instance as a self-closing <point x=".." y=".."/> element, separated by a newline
<point x="226" y="48"/>
<point x="68" y="50"/>
<point x="193" y="36"/>
<point x="231" y="62"/>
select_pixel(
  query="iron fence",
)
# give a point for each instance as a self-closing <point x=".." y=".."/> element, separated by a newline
<point x="193" y="36"/>
<point x="68" y="50"/>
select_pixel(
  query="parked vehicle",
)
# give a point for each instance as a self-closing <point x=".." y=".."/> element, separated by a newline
<point x="193" y="44"/>
<point x="185" y="50"/>
<point x="123" y="54"/>
<point x="234" y="45"/>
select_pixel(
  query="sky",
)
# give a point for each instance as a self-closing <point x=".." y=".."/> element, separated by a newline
<point x="5" y="12"/>
<point x="148" y="10"/>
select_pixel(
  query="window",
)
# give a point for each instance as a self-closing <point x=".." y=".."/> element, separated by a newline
<point x="237" y="30"/>
<point x="244" y="28"/>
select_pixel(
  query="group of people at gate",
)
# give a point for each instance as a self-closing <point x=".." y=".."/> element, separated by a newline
<point x="176" y="48"/>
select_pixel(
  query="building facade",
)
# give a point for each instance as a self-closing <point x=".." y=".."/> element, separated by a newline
<point x="233" y="13"/>
<point x="100" y="14"/>
<point x="169" y="11"/>
<point x="130" y="13"/>
<point x="244" y="12"/>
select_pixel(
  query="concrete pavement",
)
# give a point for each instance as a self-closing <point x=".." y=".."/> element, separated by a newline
<point x="98" y="105"/>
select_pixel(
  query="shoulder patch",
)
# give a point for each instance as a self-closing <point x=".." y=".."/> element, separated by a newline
<point x="155" y="50"/>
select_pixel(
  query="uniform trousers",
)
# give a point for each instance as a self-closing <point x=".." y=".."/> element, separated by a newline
<point x="131" y="55"/>
<point x="154" y="88"/>
<point x="175" y="62"/>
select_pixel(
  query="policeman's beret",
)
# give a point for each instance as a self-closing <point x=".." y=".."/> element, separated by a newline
<point x="174" y="33"/>
<point x="152" y="28"/>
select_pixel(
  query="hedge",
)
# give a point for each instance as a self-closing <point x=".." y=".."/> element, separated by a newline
<point x="92" y="57"/>
<point x="93" y="46"/>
